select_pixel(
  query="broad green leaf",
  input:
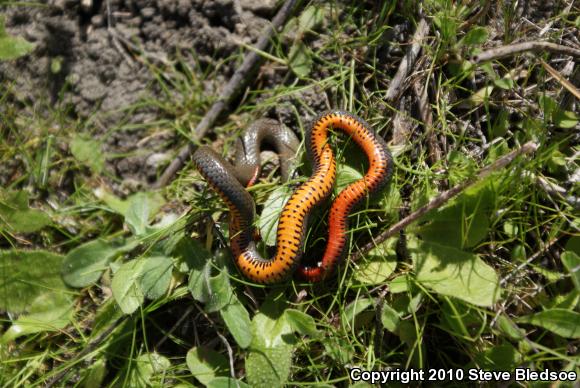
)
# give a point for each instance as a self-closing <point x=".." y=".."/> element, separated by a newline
<point x="565" y="323"/>
<point x="498" y="358"/>
<point x="12" y="47"/>
<point x="390" y="318"/>
<point x="269" y="332"/>
<point x="237" y="320"/>
<point x="125" y="286"/>
<point x="95" y="374"/>
<point x="301" y="322"/>
<point x="453" y="272"/>
<point x="572" y="263"/>
<point x="268" y="222"/>
<point x="17" y="217"/>
<point x="88" y="151"/>
<point x="345" y="175"/>
<point x="220" y="292"/>
<point x="399" y="284"/>
<point x="565" y="119"/>
<point x="382" y="261"/>
<point x="49" y="312"/>
<point x="141" y="206"/>
<point x="463" y="222"/>
<point x="226" y="382"/>
<point x="146" y="367"/>
<point x="192" y="257"/>
<point x="475" y="36"/>
<point x="300" y="59"/>
<point x="269" y="367"/>
<point x="481" y="96"/>
<point x="156" y="276"/>
<point x="206" y="364"/>
<point x="311" y="17"/>
<point x="509" y="328"/>
<point x="353" y="309"/>
<point x="26" y="275"/>
<point x="84" y="265"/>
<point x="573" y="245"/>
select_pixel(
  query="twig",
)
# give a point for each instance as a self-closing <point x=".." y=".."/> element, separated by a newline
<point x="427" y="118"/>
<point x="560" y="78"/>
<point x="408" y="61"/>
<point x="235" y="85"/>
<point x="445" y="196"/>
<point x="517" y="48"/>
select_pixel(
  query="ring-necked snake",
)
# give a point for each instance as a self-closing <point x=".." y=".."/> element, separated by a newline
<point x="223" y="178"/>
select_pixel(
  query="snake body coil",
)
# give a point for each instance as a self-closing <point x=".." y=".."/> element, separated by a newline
<point x="223" y="178"/>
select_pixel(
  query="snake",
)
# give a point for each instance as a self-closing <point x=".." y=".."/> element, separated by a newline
<point x="229" y="181"/>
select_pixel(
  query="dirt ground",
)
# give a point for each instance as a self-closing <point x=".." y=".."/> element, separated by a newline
<point x="95" y="59"/>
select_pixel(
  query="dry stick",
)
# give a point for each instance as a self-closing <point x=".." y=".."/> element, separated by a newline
<point x="513" y="49"/>
<point x="427" y="117"/>
<point x="408" y="61"/>
<point x="445" y="196"/>
<point x="238" y="81"/>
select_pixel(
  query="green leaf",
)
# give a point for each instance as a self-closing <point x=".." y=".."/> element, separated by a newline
<point x="220" y="292"/>
<point x="140" y="207"/>
<point x="353" y="309"/>
<point x="463" y="222"/>
<point x="206" y="364"/>
<point x="270" y="332"/>
<point x="156" y="276"/>
<point x="237" y="320"/>
<point x="311" y="17"/>
<point x="268" y="222"/>
<point x="476" y="36"/>
<point x="16" y="216"/>
<point x="453" y="272"/>
<point x="12" y="47"/>
<point x="345" y="175"/>
<point x="125" y="286"/>
<point x="95" y="374"/>
<point x="84" y="265"/>
<point x="88" y="151"/>
<point x="300" y="59"/>
<point x="498" y="358"/>
<point x="572" y="263"/>
<point x="301" y="322"/>
<point x="565" y="323"/>
<point x="399" y="284"/>
<point x="49" y="312"/>
<point x="226" y="382"/>
<point x="269" y="367"/>
<point x="509" y="328"/>
<point x="565" y="119"/>
<point x="390" y="318"/>
<point x="380" y="265"/>
<point x="26" y="275"/>
<point x="147" y="366"/>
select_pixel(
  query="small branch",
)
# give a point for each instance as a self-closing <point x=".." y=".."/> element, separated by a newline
<point x="560" y="78"/>
<point x="408" y="61"/>
<point x="427" y="118"/>
<point x="239" y="80"/>
<point x="517" y="48"/>
<point x="445" y="196"/>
